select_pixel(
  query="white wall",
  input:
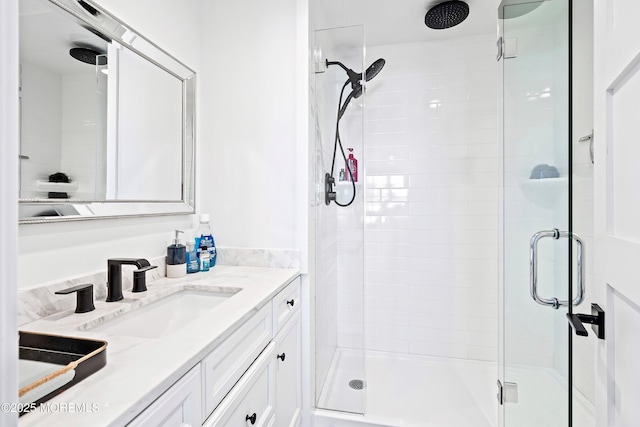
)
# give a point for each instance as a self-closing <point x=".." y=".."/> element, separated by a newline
<point x="254" y="159"/>
<point x="53" y="251"/>
<point x="251" y="172"/>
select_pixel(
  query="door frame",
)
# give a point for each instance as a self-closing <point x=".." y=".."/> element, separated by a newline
<point x="9" y="207"/>
<point x="616" y="64"/>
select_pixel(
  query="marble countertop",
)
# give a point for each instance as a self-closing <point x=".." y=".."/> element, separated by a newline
<point x="139" y="370"/>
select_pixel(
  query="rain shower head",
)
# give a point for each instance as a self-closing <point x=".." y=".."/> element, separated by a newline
<point x="446" y="14"/>
<point x="83" y="54"/>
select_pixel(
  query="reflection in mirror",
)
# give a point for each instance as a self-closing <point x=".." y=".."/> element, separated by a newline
<point x="147" y="162"/>
<point x="63" y="105"/>
<point x="106" y="118"/>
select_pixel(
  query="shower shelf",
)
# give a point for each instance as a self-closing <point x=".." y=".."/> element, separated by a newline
<point x="545" y="189"/>
<point x="544" y="182"/>
<point x="56" y="186"/>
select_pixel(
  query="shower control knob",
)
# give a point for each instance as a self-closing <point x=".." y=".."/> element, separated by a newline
<point x="291" y="302"/>
<point x="281" y="356"/>
<point x="251" y="418"/>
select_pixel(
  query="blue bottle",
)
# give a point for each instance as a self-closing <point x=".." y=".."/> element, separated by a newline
<point x="204" y="238"/>
<point x="193" y="263"/>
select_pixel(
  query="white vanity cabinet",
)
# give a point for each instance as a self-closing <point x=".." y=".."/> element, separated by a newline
<point x="271" y="389"/>
<point x="177" y="407"/>
<point x="253" y="378"/>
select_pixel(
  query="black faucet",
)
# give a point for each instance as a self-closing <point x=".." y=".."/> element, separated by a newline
<point x="114" y="276"/>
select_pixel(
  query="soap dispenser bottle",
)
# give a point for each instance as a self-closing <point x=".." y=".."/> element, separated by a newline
<point x="176" y="258"/>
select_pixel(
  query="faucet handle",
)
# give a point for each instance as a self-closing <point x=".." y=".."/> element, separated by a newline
<point x="140" y="278"/>
<point x="84" y="297"/>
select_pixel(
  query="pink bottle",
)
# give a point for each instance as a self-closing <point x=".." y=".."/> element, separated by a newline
<point x="352" y="165"/>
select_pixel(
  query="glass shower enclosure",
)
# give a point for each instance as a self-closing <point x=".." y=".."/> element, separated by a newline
<point x="539" y="251"/>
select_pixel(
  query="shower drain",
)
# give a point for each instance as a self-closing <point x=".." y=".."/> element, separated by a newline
<point x="356" y="384"/>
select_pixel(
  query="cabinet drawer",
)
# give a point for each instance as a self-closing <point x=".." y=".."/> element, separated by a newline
<point x="252" y="399"/>
<point x="177" y="407"/>
<point x="224" y="366"/>
<point x="285" y="304"/>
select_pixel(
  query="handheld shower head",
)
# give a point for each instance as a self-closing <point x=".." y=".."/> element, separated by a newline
<point x="374" y="69"/>
<point x="356" y="78"/>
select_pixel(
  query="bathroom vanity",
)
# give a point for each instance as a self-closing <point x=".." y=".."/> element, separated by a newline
<point x="237" y="363"/>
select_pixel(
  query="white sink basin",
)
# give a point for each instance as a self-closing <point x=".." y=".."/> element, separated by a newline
<point x="164" y="316"/>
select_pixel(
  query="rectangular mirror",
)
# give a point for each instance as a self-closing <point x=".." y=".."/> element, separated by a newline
<point x="107" y="118"/>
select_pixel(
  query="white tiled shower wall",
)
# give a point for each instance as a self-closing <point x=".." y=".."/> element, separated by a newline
<point x="41" y="112"/>
<point x="63" y="139"/>
<point x="433" y="170"/>
<point x="79" y="131"/>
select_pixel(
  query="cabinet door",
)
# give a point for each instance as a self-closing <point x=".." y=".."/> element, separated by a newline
<point x="288" y="374"/>
<point x="179" y="406"/>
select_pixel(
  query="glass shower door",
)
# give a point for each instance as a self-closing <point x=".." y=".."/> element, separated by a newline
<point x="537" y="228"/>
<point x="340" y="382"/>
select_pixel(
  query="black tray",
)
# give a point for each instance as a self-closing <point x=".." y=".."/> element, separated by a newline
<point x="90" y="355"/>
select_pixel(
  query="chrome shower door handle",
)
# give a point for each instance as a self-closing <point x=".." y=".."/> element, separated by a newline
<point x="533" y="268"/>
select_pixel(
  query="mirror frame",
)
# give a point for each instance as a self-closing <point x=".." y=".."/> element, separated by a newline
<point x="77" y="210"/>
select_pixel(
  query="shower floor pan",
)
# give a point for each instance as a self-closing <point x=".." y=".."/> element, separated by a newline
<point x="424" y="391"/>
